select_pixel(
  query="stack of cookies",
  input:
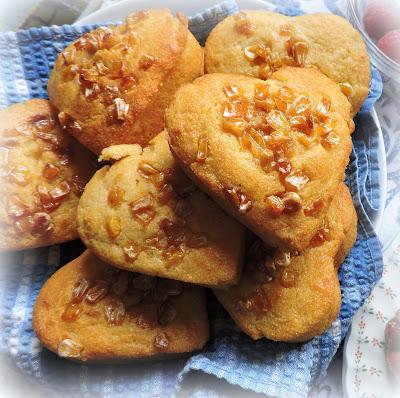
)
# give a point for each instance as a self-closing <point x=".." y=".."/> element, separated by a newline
<point x="231" y="181"/>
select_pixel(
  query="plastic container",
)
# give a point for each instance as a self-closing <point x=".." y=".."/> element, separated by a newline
<point x="355" y="14"/>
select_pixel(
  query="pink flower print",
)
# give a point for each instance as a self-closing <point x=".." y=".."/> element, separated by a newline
<point x="375" y="342"/>
<point x="379" y="316"/>
<point x="373" y="371"/>
<point x="358" y="355"/>
<point x="361" y="324"/>
<point x="389" y="291"/>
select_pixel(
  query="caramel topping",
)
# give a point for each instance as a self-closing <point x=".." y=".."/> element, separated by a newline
<point x="72" y="312"/>
<point x="297" y="51"/>
<point x="91" y="93"/>
<point x="146" y="170"/>
<point x="292" y="202"/>
<point x="106" y="37"/>
<point x="67" y="123"/>
<point x="69" y="348"/>
<point x="121" y="109"/>
<point x="330" y="140"/>
<point x="166" y="193"/>
<point x="202" y="150"/>
<point x="288" y="278"/>
<point x="80" y="289"/>
<point x="97" y="292"/>
<point x="146" y="320"/>
<point x="295" y="182"/>
<point x="128" y="82"/>
<point x="285" y="30"/>
<point x="87" y="78"/>
<point x="274" y="205"/>
<point x="260" y="54"/>
<point x="346" y="89"/>
<point x="239" y="199"/>
<point x="101" y="68"/>
<point x="314" y="208"/>
<point x="69" y="72"/>
<point x="282" y="258"/>
<point x="50" y="171"/>
<point x="277" y="120"/>
<point x="131" y="253"/>
<point x="232" y="91"/>
<point x="257" y="53"/>
<point x="321" y="236"/>
<point x="42" y="123"/>
<point x="114" y="312"/>
<point x="261" y="265"/>
<point x="87" y="42"/>
<point x="69" y="56"/>
<point x="256" y="301"/>
<point x="116" y="196"/>
<point x="234" y="126"/>
<point x="41" y="224"/>
<point x="113" y="227"/>
<point x="243" y="25"/>
<point x="300" y="51"/>
<point x="174" y="254"/>
<point x="264" y="71"/>
<point x="146" y="61"/>
<point x="323" y="108"/>
<point x="161" y="341"/>
<point x="142" y="209"/>
<point x="78" y="186"/>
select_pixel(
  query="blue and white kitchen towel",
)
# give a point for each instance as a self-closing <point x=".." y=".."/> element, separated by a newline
<point x="275" y="369"/>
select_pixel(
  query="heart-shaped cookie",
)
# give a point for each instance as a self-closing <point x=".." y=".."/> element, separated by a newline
<point x="271" y="153"/>
<point x="257" y="43"/>
<point x="144" y="214"/>
<point x="88" y="311"/>
<point x="293" y="297"/>
<point x="112" y="85"/>
<point x="43" y="172"/>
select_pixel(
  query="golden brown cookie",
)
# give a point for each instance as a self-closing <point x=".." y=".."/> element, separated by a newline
<point x="288" y="296"/>
<point x="257" y="43"/>
<point x="88" y="311"/>
<point x="43" y="173"/>
<point x="144" y="215"/>
<point x="271" y="153"/>
<point x="112" y="85"/>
